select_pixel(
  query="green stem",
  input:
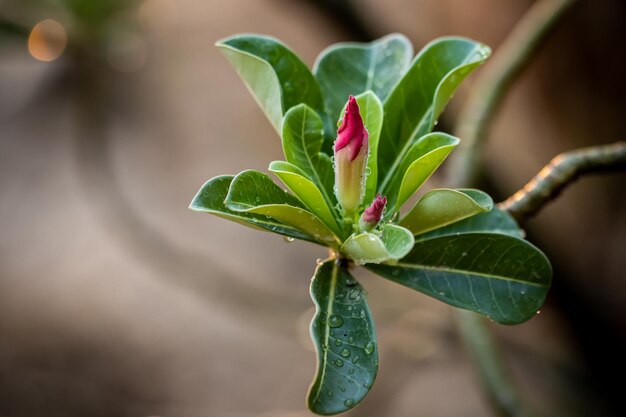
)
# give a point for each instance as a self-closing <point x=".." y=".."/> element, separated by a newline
<point x="559" y="173"/>
<point x="507" y="63"/>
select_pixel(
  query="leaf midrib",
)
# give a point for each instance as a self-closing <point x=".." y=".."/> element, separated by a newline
<point x="463" y="272"/>
<point x="329" y="311"/>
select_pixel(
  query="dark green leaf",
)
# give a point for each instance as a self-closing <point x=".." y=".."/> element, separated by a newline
<point x="210" y="199"/>
<point x="439" y="208"/>
<point x="277" y="78"/>
<point x="416" y="102"/>
<point x="499" y="276"/>
<point x="494" y="221"/>
<point x="254" y="192"/>
<point x="350" y="68"/>
<point x="345" y="339"/>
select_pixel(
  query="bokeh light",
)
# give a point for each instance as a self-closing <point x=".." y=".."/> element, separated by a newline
<point x="127" y="52"/>
<point x="47" y="40"/>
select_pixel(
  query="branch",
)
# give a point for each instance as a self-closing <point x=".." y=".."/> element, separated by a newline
<point x="561" y="172"/>
<point x="508" y="62"/>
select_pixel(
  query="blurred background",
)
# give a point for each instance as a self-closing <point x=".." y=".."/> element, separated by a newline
<point x="116" y="300"/>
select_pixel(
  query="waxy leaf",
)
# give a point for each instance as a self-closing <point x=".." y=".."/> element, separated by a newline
<point x="494" y="221"/>
<point x="498" y="276"/>
<point x="210" y="199"/>
<point x="351" y="68"/>
<point x="439" y="208"/>
<point x="276" y="77"/>
<point x="254" y="192"/>
<point x="367" y="247"/>
<point x="302" y="139"/>
<point x="295" y="179"/>
<point x="345" y="340"/>
<point x="422" y="160"/>
<point x="415" y="103"/>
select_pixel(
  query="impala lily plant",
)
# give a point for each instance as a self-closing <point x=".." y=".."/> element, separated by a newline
<point x="453" y="245"/>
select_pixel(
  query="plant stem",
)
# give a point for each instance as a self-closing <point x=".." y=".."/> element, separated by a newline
<point x="559" y="173"/>
<point x="496" y="381"/>
<point x="507" y="63"/>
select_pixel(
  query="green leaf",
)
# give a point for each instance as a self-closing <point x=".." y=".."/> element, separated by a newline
<point x="295" y="179"/>
<point x="422" y="160"/>
<point x="302" y="137"/>
<point x="364" y="248"/>
<point x="210" y="199"/>
<point x="494" y="221"/>
<point x="254" y="192"/>
<point x="351" y="68"/>
<point x="371" y="110"/>
<point x="416" y="102"/>
<point x="499" y="276"/>
<point x="439" y="208"/>
<point x="345" y="340"/>
<point x="275" y="76"/>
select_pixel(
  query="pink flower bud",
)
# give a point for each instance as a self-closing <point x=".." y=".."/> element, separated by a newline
<point x="351" y="150"/>
<point x="372" y="215"/>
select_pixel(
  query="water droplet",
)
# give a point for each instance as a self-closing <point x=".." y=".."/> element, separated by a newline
<point x="368" y="170"/>
<point x="355" y="359"/>
<point x="354" y="294"/>
<point x="351" y="340"/>
<point x="369" y="348"/>
<point x="288" y="239"/>
<point x="338" y="363"/>
<point x="464" y="254"/>
<point x="367" y="385"/>
<point x="340" y="122"/>
<point x="351" y="371"/>
<point x="343" y="389"/>
<point x="345" y="352"/>
<point x="538" y="311"/>
<point x="338" y="343"/>
<point x="436" y="122"/>
<point x="349" y="402"/>
<point x="335" y="321"/>
<point x="319" y="262"/>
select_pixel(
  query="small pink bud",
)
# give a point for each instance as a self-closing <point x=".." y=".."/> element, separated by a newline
<point x="351" y="150"/>
<point x="372" y="215"/>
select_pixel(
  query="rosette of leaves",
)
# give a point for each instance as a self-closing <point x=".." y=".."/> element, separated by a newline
<point x="453" y="245"/>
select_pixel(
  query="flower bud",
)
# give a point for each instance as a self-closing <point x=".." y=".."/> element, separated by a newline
<point x="372" y="215"/>
<point x="351" y="150"/>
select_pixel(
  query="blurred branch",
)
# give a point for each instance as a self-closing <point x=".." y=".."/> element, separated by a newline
<point x="345" y="15"/>
<point x="13" y="29"/>
<point x="496" y="380"/>
<point x="508" y="62"/>
<point x="563" y="170"/>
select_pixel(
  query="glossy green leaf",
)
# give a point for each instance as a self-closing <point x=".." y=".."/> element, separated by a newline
<point x="364" y="248"/>
<point x="295" y="179"/>
<point x="302" y="140"/>
<point x="275" y="76"/>
<point x="210" y="199"/>
<point x="351" y="68"/>
<point x="254" y="192"/>
<point x="371" y="110"/>
<point x="416" y="102"/>
<point x="439" y="208"/>
<point x="499" y="276"/>
<point x="494" y="221"/>
<point x="422" y="160"/>
<point x="345" y="340"/>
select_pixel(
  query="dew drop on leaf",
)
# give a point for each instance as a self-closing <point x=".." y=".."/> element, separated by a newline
<point x="339" y="363"/>
<point x="349" y="402"/>
<point x="345" y="352"/>
<point x="288" y="239"/>
<point x="369" y="348"/>
<point x="335" y="321"/>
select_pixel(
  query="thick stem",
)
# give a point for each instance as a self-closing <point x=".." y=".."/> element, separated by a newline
<point x="559" y="173"/>
<point x="508" y="62"/>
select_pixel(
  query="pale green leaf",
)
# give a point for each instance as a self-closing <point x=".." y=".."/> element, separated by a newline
<point x="368" y="247"/>
<point x="441" y="207"/>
